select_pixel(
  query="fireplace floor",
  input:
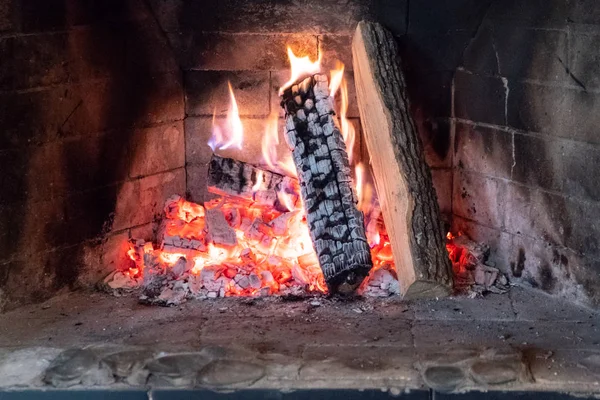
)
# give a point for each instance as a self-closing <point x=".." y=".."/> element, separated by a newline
<point x="521" y="341"/>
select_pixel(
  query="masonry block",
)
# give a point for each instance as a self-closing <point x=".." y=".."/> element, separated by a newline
<point x="336" y="48"/>
<point x="157" y="149"/>
<point x="442" y="182"/>
<point x="478" y="198"/>
<point x="484" y="150"/>
<point x="446" y="15"/>
<point x="518" y="52"/>
<point x="45" y="15"/>
<point x="198" y="130"/>
<point x="392" y="14"/>
<point x="208" y="92"/>
<point x="532" y="13"/>
<point x="479" y="99"/>
<point x="235" y="52"/>
<point x="557" y="111"/>
<point x="433" y="52"/>
<point x="140" y="201"/>
<point x="6" y="8"/>
<point x="89" y="107"/>
<point x="260" y="16"/>
<point x="585" y="59"/>
<point x="197" y="175"/>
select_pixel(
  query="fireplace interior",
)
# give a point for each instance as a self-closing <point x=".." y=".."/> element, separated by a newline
<point x="159" y="226"/>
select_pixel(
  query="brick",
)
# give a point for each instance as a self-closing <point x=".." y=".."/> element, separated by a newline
<point x="260" y="16"/>
<point x="89" y="107"/>
<point x="336" y="48"/>
<point x="533" y="13"/>
<point x="207" y="91"/>
<point x="430" y="93"/>
<point x="157" y="149"/>
<point x="41" y="15"/>
<point x="235" y="52"/>
<point x="433" y="52"/>
<point x="6" y="7"/>
<point x="578" y="160"/>
<point x="478" y="198"/>
<point x="446" y="15"/>
<point x="140" y="201"/>
<point x="585" y="58"/>
<point x="442" y="182"/>
<point x="392" y="14"/>
<point x="517" y="52"/>
<point x="436" y="135"/>
<point x="556" y="111"/>
<point x="538" y="162"/>
<point x="584" y="12"/>
<point x="479" y="99"/>
<point x="484" y="150"/>
<point x="199" y="129"/>
<point x="196" y="183"/>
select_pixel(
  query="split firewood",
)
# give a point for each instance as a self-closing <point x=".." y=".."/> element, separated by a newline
<point x="228" y="177"/>
<point x="319" y="152"/>
<point x="402" y="178"/>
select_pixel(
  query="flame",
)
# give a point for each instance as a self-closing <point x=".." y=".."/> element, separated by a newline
<point x="336" y="77"/>
<point x="300" y="66"/>
<point x="348" y="132"/>
<point x="359" y="172"/>
<point x="259" y="182"/>
<point x="232" y="133"/>
<point x="270" y="141"/>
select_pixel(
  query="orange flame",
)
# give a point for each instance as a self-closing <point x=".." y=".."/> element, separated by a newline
<point x="300" y="66"/>
<point x="359" y="172"/>
<point x="348" y="132"/>
<point x="270" y="141"/>
<point x="232" y="133"/>
<point x="336" y="77"/>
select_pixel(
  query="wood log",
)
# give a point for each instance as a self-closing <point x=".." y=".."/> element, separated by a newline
<point x="336" y="225"/>
<point x="402" y="178"/>
<point x="229" y="177"/>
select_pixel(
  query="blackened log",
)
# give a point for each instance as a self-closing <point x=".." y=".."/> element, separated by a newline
<point x="229" y="177"/>
<point x="402" y="178"/>
<point x="336" y="225"/>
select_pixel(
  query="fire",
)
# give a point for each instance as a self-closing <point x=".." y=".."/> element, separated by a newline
<point x="336" y="77"/>
<point x="270" y="141"/>
<point x="347" y="129"/>
<point x="232" y="133"/>
<point x="300" y="66"/>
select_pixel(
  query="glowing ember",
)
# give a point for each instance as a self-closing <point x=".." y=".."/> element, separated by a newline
<point x="300" y="66"/>
<point x="232" y="133"/>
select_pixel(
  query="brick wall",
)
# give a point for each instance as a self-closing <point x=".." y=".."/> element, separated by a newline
<point x="526" y="99"/>
<point x="92" y="142"/>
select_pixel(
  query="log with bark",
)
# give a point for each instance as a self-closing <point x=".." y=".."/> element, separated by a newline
<point x="229" y="177"/>
<point x="336" y="225"/>
<point x="402" y="178"/>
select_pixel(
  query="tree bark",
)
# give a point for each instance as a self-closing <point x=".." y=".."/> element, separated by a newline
<point x="402" y="178"/>
<point x="336" y="225"/>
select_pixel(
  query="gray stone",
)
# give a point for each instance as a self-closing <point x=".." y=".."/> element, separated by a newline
<point x="230" y="372"/>
<point x="25" y="367"/>
<point x="444" y="378"/>
<point x="77" y="366"/>
<point x="176" y="369"/>
<point x="129" y="365"/>
<point x="493" y="372"/>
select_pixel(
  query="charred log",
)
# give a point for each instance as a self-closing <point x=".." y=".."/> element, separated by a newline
<point x="319" y="152"/>
<point x="228" y="177"/>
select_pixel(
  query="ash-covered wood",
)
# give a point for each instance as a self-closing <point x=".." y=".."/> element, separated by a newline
<point x="403" y="179"/>
<point x="229" y="177"/>
<point x="319" y="152"/>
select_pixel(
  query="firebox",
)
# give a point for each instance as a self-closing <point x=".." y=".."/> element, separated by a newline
<point x="282" y="195"/>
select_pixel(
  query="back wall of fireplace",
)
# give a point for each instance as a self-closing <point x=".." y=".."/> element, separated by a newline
<point x="106" y="108"/>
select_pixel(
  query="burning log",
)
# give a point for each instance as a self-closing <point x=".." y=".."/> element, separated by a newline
<point x="319" y="152"/>
<point x="403" y="180"/>
<point x="228" y="177"/>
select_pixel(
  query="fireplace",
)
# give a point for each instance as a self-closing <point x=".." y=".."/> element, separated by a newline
<point x="119" y="138"/>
